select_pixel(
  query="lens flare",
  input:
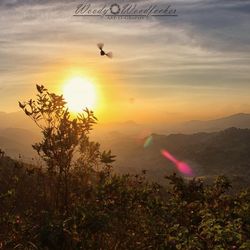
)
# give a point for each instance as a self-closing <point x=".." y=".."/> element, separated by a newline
<point x="148" y="141"/>
<point x="170" y="157"/>
<point x="182" y="167"/>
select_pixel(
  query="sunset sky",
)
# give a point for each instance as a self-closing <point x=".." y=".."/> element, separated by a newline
<point x="193" y="66"/>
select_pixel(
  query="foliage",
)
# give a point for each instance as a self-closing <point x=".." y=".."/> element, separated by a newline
<point x="122" y="212"/>
<point x="62" y="137"/>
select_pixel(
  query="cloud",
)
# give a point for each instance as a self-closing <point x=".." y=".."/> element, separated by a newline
<point x="205" y="46"/>
<point x="216" y="25"/>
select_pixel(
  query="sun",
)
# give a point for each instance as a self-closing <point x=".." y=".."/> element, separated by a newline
<point x="79" y="93"/>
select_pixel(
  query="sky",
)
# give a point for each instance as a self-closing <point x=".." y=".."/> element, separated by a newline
<point x="165" y="69"/>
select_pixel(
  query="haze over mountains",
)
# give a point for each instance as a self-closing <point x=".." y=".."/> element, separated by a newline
<point x="15" y="120"/>
<point x="17" y="131"/>
<point x="240" y="120"/>
<point x="210" y="147"/>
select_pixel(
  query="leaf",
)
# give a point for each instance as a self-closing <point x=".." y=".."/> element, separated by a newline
<point x="27" y="112"/>
<point x="39" y="88"/>
<point x="21" y="105"/>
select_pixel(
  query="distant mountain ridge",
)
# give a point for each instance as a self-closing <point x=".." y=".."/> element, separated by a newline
<point x="18" y="141"/>
<point x="16" y="120"/>
<point x="239" y="120"/>
<point x="17" y="133"/>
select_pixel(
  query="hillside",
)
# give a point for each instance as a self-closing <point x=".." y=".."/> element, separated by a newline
<point x="219" y="153"/>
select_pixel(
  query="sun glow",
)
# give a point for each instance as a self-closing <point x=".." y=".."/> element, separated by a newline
<point x="79" y="93"/>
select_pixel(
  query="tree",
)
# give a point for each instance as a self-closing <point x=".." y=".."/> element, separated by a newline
<point x="63" y="136"/>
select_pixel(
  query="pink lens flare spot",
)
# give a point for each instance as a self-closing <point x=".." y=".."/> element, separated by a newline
<point x="170" y="157"/>
<point x="184" y="168"/>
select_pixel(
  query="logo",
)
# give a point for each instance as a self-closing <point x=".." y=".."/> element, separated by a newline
<point x="125" y="10"/>
<point x="115" y="9"/>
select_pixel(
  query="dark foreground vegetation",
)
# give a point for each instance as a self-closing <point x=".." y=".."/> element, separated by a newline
<point x="73" y="200"/>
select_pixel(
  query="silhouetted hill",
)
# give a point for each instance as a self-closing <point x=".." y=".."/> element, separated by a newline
<point x="219" y="153"/>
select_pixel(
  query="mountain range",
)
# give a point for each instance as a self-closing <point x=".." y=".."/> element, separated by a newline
<point x="210" y="147"/>
<point x="240" y="120"/>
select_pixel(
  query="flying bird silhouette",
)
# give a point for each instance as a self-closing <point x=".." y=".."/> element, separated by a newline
<point x="102" y="52"/>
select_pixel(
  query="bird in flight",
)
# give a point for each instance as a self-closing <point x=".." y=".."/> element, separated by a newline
<point x="102" y="52"/>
